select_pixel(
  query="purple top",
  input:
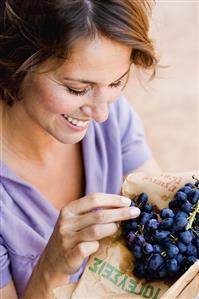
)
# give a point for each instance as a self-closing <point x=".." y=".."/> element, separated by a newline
<point x="110" y="150"/>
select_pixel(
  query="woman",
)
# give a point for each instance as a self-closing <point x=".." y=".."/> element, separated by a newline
<point x="68" y="135"/>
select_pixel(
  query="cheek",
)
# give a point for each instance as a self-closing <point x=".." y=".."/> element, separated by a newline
<point x="56" y="100"/>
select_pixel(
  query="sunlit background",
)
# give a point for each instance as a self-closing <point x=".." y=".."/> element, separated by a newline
<point x="169" y="105"/>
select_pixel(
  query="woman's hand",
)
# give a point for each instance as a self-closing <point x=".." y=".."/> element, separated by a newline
<point x="80" y="227"/>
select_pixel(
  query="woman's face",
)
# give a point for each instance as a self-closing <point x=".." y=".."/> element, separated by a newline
<point x="79" y="91"/>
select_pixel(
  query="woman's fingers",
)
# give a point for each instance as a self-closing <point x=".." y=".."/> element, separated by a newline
<point x="97" y="200"/>
<point x="96" y="232"/>
<point x="103" y="216"/>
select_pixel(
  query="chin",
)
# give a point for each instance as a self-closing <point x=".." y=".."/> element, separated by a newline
<point x="70" y="140"/>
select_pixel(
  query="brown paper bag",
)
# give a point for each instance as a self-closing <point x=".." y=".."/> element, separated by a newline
<point x="160" y="188"/>
<point x="186" y="284"/>
<point x="108" y="273"/>
<point x="65" y="291"/>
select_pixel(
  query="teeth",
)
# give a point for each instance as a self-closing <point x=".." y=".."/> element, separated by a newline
<point x="76" y="122"/>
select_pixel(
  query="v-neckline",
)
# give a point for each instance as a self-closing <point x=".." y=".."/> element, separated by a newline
<point x="13" y="176"/>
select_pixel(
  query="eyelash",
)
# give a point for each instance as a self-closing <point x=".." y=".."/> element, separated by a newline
<point x="83" y="92"/>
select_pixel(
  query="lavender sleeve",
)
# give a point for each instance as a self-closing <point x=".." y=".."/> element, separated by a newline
<point x="5" y="274"/>
<point x="135" y="150"/>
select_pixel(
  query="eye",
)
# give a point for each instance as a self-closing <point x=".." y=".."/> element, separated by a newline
<point x="77" y="92"/>
<point x="117" y="84"/>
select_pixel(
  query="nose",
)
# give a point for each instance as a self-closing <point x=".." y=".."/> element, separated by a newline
<point x="97" y="109"/>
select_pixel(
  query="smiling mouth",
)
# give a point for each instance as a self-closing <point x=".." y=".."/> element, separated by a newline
<point x="76" y="122"/>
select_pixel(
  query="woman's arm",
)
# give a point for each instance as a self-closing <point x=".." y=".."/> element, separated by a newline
<point x="41" y="285"/>
<point x="150" y="167"/>
<point x="46" y="280"/>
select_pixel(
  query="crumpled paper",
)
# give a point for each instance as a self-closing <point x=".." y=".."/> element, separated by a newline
<point x="108" y="273"/>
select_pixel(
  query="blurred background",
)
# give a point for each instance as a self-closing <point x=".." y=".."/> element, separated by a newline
<point x="169" y="105"/>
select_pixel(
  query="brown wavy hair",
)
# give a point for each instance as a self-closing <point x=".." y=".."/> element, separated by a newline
<point x="33" y="31"/>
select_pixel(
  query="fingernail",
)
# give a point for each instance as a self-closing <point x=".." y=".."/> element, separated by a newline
<point x="134" y="212"/>
<point x="126" y="200"/>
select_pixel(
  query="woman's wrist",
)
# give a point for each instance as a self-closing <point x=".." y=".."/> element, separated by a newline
<point x="44" y="280"/>
<point x="51" y="274"/>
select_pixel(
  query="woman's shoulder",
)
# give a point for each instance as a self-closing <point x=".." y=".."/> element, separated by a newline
<point x="23" y="210"/>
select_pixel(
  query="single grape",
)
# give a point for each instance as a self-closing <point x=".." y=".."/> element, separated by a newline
<point x="172" y="250"/>
<point x="191" y="250"/>
<point x="181" y="214"/>
<point x="180" y="196"/>
<point x="166" y="223"/>
<point x="147" y="207"/>
<point x="172" y="265"/>
<point x="140" y="240"/>
<point x="173" y="204"/>
<point x="137" y="250"/>
<point x="147" y="248"/>
<point x="167" y="213"/>
<point x="142" y="198"/>
<point x="152" y="224"/>
<point x="193" y="235"/>
<point x="189" y="185"/>
<point x="191" y="260"/>
<point x="179" y="258"/>
<point x="186" y="237"/>
<point x="132" y="225"/>
<point x="131" y="237"/>
<point x="186" y="207"/>
<point x="186" y="189"/>
<point x="161" y="235"/>
<point x="194" y="196"/>
<point x="180" y="223"/>
<point x="182" y="247"/>
<point x="144" y="217"/>
<point x="155" y="262"/>
<point x="157" y="248"/>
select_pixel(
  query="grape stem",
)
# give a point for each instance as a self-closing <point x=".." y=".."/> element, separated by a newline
<point x="174" y="239"/>
<point x="163" y="253"/>
<point x="193" y="177"/>
<point x="192" y="216"/>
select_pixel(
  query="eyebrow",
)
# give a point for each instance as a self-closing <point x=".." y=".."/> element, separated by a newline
<point x="92" y="82"/>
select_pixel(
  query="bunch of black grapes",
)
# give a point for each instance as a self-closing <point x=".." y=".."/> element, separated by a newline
<point x="165" y="246"/>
